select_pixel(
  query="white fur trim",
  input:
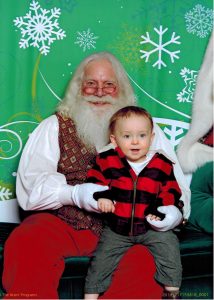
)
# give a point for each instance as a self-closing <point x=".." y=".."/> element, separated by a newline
<point x="192" y="154"/>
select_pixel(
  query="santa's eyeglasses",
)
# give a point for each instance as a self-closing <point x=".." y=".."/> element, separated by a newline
<point x="91" y="87"/>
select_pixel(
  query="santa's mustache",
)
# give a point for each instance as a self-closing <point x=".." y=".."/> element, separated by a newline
<point x="95" y="99"/>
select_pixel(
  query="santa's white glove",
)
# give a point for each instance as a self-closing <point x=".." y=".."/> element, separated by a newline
<point x="82" y="195"/>
<point x="173" y="217"/>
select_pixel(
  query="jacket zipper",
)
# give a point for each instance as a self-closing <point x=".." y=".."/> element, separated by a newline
<point x="133" y="206"/>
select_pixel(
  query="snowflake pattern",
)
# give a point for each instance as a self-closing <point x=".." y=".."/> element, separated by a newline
<point x="4" y="193"/>
<point x="86" y="39"/>
<point x="126" y="47"/>
<point x="65" y="5"/>
<point x="160" y="47"/>
<point x="199" y="21"/>
<point x="39" y="28"/>
<point x="189" y="76"/>
<point x="68" y="5"/>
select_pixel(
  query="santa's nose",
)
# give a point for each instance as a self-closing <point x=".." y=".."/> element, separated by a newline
<point x="100" y="92"/>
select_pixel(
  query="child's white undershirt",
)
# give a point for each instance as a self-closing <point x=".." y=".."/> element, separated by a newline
<point x="139" y="166"/>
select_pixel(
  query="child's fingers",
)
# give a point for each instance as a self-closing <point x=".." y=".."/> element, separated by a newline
<point x="109" y="207"/>
<point x="153" y="217"/>
<point x="106" y="205"/>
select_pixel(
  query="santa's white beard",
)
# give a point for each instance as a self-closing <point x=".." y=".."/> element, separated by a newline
<point x="92" y="121"/>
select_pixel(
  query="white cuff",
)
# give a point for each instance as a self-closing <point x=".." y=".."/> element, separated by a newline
<point x="65" y="193"/>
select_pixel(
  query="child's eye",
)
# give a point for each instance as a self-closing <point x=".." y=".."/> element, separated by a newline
<point x="126" y="136"/>
<point x="142" y="135"/>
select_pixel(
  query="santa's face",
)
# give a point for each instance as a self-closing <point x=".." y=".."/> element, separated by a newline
<point x="96" y="102"/>
<point x="99" y="88"/>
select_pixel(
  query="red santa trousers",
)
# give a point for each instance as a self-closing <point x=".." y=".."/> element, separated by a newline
<point x="34" y="261"/>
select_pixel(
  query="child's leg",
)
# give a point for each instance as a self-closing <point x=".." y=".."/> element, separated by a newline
<point x="171" y="292"/>
<point x="110" y="249"/>
<point x="126" y="285"/>
<point x="165" y="249"/>
<point x="91" y="296"/>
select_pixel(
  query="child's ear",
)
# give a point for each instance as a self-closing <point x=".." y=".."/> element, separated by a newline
<point x="153" y="135"/>
<point x="113" y="140"/>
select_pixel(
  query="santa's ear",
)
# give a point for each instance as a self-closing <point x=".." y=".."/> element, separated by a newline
<point x="113" y="140"/>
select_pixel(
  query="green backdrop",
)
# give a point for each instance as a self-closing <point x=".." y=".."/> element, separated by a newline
<point x="161" y="44"/>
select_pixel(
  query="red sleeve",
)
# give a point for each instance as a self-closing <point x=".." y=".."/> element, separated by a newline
<point x="96" y="175"/>
<point x="170" y="192"/>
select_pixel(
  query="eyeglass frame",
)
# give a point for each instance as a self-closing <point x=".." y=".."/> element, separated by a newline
<point x="96" y="87"/>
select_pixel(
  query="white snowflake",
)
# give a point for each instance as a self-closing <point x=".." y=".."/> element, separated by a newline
<point x="86" y="39"/>
<point x="4" y="193"/>
<point x="174" y="134"/>
<point x="160" y="47"/>
<point x="39" y="28"/>
<point x="174" y="129"/>
<point x="199" y="21"/>
<point x="187" y="93"/>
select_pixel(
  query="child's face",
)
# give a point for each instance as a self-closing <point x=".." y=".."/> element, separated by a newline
<point x="134" y="136"/>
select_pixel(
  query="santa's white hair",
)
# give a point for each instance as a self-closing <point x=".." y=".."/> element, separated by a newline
<point x="92" y="123"/>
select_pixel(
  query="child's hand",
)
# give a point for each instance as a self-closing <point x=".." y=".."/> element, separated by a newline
<point x="153" y="217"/>
<point x="106" y="205"/>
<point x="173" y="217"/>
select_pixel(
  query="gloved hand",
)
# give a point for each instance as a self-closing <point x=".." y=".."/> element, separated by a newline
<point x="173" y="217"/>
<point x="82" y="195"/>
